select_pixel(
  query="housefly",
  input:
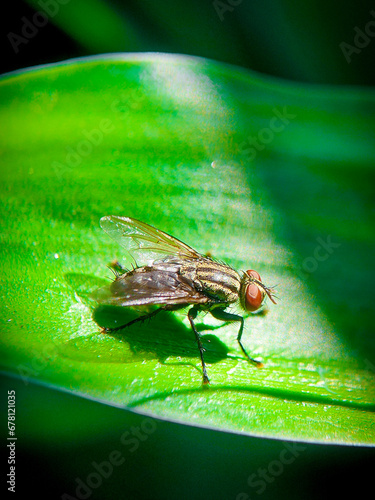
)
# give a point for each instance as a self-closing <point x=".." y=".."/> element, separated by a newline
<point x="172" y="275"/>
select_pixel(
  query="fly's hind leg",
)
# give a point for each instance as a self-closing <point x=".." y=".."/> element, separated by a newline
<point x="140" y="318"/>
<point x="192" y="314"/>
<point x="223" y="315"/>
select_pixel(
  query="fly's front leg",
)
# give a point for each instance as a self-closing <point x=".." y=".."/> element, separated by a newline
<point x="117" y="268"/>
<point x="140" y="318"/>
<point x="192" y="314"/>
<point x="223" y="315"/>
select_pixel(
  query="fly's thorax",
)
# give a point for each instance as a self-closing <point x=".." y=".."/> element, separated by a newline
<point x="219" y="281"/>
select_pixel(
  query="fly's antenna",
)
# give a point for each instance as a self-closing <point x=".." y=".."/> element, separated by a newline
<point x="270" y="291"/>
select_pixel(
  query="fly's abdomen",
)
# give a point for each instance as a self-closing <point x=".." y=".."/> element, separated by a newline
<point x="219" y="281"/>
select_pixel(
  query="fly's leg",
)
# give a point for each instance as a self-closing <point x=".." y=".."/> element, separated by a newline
<point x="226" y="316"/>
<point x="140" y="318"/>
<point x="192" y="314"/>
<point x="117" y="268"/>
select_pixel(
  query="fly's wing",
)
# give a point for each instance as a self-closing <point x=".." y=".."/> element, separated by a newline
<point x="159" y="285"/>
<point x="143" y="242"/>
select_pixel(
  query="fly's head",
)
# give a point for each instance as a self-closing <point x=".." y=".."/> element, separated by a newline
<point x="253" y="291"/>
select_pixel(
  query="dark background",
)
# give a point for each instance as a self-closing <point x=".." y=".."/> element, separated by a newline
<point x="300" y="41"/>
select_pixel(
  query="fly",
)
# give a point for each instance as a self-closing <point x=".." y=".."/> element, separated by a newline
<point x="172" y="275"/>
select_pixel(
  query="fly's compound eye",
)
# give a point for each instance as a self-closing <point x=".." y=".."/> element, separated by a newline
<point x="254" y="274"/>
<point x="253" y="297"/>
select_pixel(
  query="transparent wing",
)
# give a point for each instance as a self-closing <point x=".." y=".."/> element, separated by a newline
<point x="144" y="243"/>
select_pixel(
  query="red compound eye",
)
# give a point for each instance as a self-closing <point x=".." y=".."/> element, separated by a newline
<point x="253" y="297"/>
<point x="254" y="274"/>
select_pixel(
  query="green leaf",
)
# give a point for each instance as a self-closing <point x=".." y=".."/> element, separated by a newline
<point x="261" y="173"/>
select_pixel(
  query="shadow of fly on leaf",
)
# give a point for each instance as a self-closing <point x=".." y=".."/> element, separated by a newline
<point x="161" y="338"/>
<point x="168" y="275"/>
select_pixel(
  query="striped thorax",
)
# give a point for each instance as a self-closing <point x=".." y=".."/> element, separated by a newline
<point x="219" y="281"/>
